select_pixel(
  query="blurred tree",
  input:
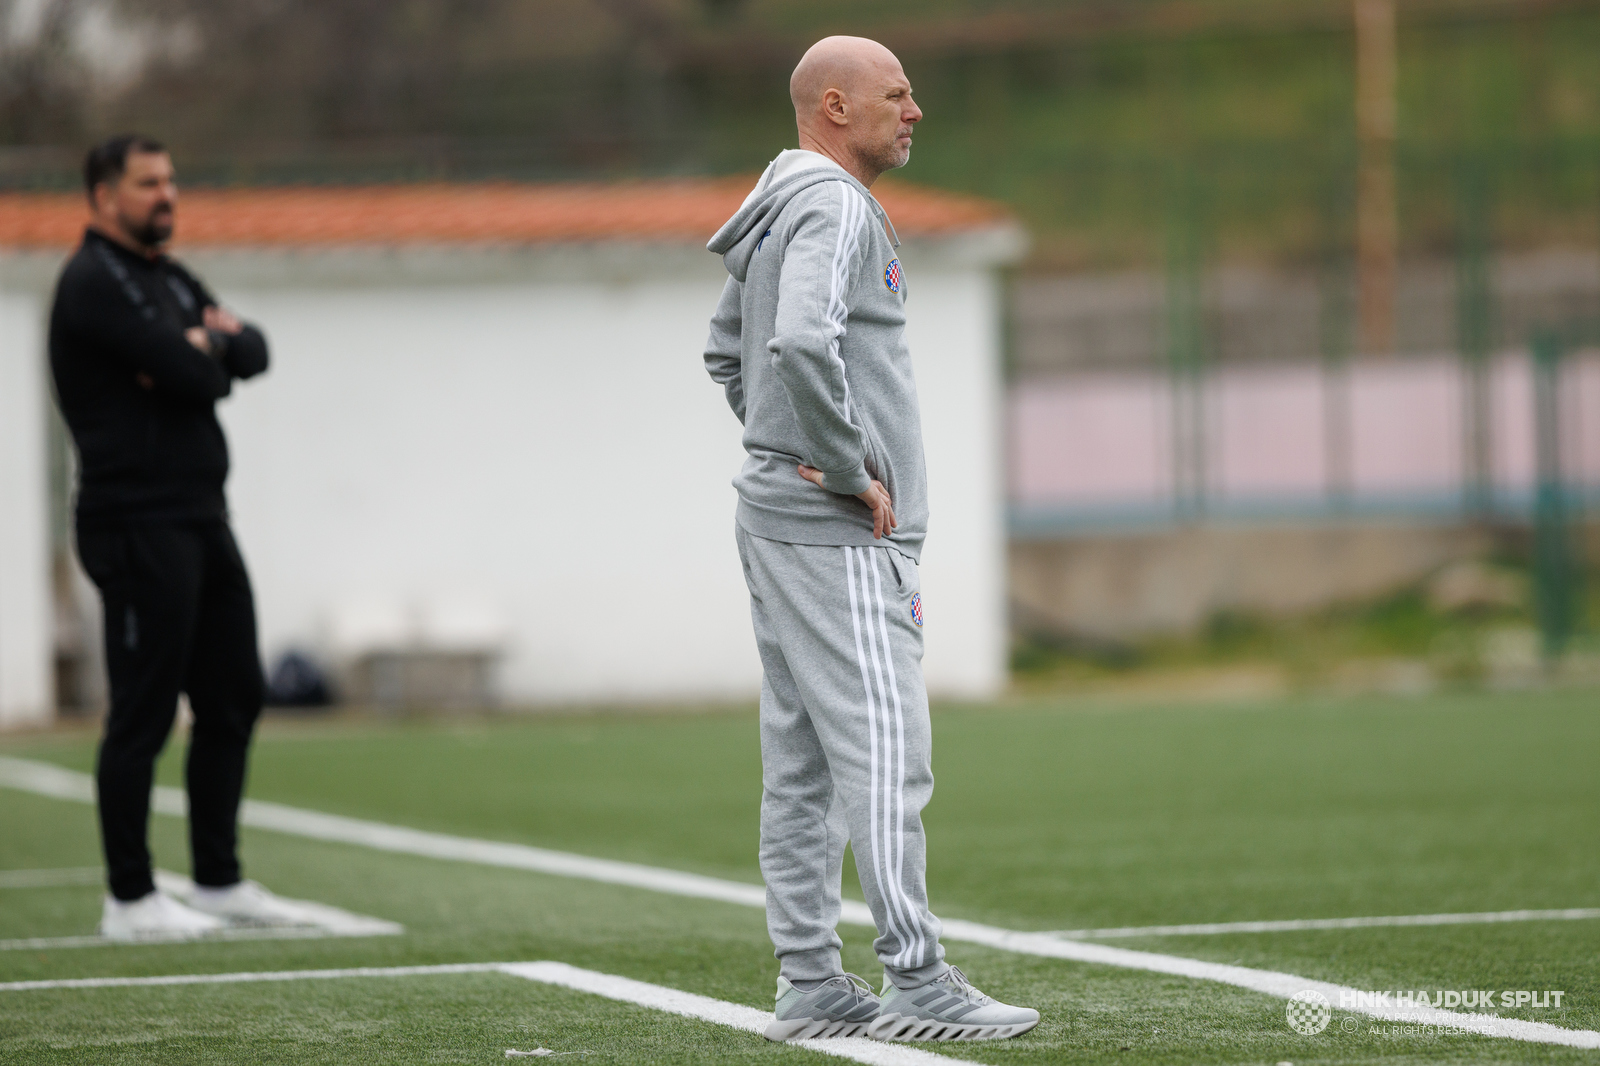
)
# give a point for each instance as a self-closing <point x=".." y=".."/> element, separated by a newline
<point x="1065" y="108"/>
<point x="42" y="80"/>
<point x="723" y="10"/>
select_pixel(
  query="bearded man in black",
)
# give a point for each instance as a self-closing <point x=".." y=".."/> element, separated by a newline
<point x="141" y="352"/>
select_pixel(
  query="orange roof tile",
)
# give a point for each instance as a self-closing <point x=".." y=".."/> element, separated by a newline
<point x="667" y="210"/>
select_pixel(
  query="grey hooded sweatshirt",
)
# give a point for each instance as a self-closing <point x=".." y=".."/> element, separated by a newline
<point x="808" y="343"/>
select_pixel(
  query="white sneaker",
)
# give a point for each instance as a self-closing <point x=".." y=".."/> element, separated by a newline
<point x="840" y="1006"/>
<point x="947" y="1008"/>
<point x="156" y="916"/>
<point x="247" y="903"/>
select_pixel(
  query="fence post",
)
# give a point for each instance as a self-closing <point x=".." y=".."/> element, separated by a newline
<point x="1555" y="572"/>
<point x="1474" y="334"/>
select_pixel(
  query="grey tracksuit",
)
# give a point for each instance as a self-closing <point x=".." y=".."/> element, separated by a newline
<point x="808" y="344"/>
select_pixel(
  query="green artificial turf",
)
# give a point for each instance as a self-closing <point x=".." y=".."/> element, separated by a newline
<point x="1045" y="817"/>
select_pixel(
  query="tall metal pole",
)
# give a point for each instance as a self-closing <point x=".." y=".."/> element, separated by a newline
<point x="1377" y="228"/>
<point x="1555" y="575"/>
<point x="1474" y="329"/>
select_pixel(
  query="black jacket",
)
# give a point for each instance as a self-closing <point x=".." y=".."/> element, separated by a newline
<point x="138" y="397"/>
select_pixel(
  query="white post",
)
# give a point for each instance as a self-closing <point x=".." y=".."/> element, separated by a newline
<point x="27" y="682"/>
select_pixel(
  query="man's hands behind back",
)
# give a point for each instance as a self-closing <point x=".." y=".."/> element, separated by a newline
<point x="876" y="497"/>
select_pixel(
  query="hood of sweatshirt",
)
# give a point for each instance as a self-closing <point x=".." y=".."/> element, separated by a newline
<point x="784" y="177"/>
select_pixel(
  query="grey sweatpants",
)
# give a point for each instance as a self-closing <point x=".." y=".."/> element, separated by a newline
<point x="845" y="751"/>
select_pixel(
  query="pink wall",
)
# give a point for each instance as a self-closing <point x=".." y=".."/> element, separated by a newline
<point x="1267" y="429"/>
<point x="1093" y="438"/>
<point x="1104" y="439"/>
<point x="1511" y="401"/>
<point x="1406" y="432"/>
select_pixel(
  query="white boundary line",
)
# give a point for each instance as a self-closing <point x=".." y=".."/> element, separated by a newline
<point x="247" y="977"/>
<point x="1571" y="914"/>
<point x="321" y="917"/>
<point x="65" y="878"/>
<point x="49" y="780"/>
<point x="299" y="932"/>
<point x="1271" y="982"/>
<point x="734" y="1015"/>
<point x="623" y="989"/>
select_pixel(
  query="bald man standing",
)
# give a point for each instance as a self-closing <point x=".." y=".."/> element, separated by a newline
<point x="808" y="343"/>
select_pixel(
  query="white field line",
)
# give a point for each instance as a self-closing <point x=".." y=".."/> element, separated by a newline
<point x="46" y="779"/>
<point x="76" y="875"/>
<point x="623" y="989"/>
<point x="1282" y="985"/>
<point x="325" y="919"/>
<point x="733" y="1015"/>
<point x="248" y="977"/>
<point x="54" y="781"/>
<point x="1570" y="914"/>
<point x="299" y="932"/>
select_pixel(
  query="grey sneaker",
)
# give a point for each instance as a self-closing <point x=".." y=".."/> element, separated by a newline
<point x="947" y="1008"/>
<point x="840" y="1006"/>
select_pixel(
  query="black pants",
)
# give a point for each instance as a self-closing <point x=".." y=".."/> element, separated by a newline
<point x="179" y="617"/>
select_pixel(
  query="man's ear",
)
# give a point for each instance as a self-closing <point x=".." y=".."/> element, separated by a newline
<point x="837" y="107"/>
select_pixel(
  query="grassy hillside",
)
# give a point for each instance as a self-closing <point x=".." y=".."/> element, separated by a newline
<point x="1090" y="139"/>
<point x="1098" y="122"/>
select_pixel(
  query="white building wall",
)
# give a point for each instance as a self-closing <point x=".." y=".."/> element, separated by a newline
<point x="525" y="439"/>
<point x="549" y="454"/>
<point x="953" y="327"/>
<point x="27" y="690"/>
<point x="553" y="454"/>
